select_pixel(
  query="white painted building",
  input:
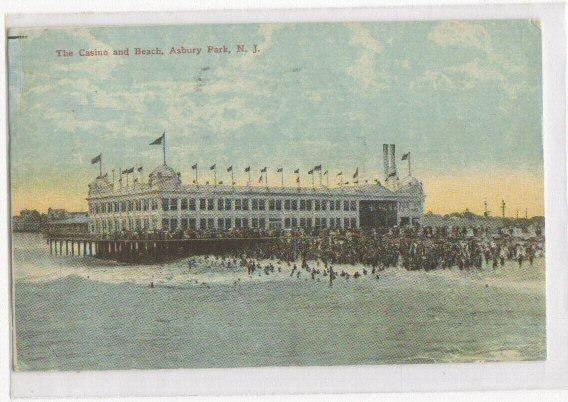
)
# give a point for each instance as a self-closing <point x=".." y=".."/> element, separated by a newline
<point x="164" y="203"/>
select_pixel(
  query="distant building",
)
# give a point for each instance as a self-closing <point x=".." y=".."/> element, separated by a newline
<point x="28" y="221"/>
<point x="164" y="203"/>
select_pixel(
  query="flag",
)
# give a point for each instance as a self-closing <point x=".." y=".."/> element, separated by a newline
<point x="297" y="171"/>
<point x="317" y="168"/>
<point x="230" y="168"/>
<point x="263" y="170"/>
<point x="355" y="181"/>
<point x="247" y="169"/>
<point x="405" y="156"/>
<point x="340" y="174"/>
<point x="126" y="171"/>
<point x="297" y="179"/>
<point x="279" y="170"/>
<point x="311" y="171"/>
<point x="140" y="169"/>
<point x="158" y="140"/>
<point x="221" y="182"/>
<point x="213" y="166"/>
<point x="356" y="174"/>
<point x="260" y="179"/>
<point x="194" y="167"/>
<point x="324" y="173"/>
<point x="392" y="174"/>
<point x="96" y="159"/>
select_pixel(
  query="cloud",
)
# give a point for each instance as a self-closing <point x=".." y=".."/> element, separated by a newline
<point x="363" y="69"/>
<point x="460" y="33"/>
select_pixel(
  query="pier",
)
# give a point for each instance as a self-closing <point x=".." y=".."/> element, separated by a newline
<point x="148" y="251"/>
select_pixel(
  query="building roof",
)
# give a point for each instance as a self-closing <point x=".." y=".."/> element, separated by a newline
<point x="77" y="218"/>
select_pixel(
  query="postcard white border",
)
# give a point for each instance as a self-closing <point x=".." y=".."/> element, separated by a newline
<point x="553" y="373"/>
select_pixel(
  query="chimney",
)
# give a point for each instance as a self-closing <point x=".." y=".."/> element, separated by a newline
<point x="392" y="159"/>
<point x="386" y="160"/>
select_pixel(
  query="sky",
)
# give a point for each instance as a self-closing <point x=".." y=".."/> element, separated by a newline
<point x="463" y="97"/>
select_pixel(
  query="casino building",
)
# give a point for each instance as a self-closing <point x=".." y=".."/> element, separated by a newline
<point x="164" y="203"/>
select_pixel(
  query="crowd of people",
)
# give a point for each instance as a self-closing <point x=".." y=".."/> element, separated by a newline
<point x="321" y="255"/>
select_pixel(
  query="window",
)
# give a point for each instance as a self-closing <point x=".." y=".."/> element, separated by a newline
<point x="210" y="223"/>
<point x="332" y="206"/>
<point x="255" y="223"/>
<point x="317" y="205"/>
<point x="261" y="204"/>
<point x="203" y="223"/>
<point x="346" y="223"/>
<point x="191" y="223"/>
<point x="262" y="223"/>
<point x="294" y="204"/>
<point x="279" y="205"/>
<point x="220" y="205"/>
<point x="165" y="224"/>
<point x="238" y="205"/>
<point x="173" y="204"/>
<point x="138" y="205"/>
<point x="323" y="222"/>
<point x="202" y="204"/>
<point x="165" y="204"/>
<point x="183" y="204"/>
<point x="353" y="223"/>
<point x="287" y="205"/>
<point x="338" y="205"/>
<point x="254" y="205"/>
<point x="245" y="222"/>
<point x="353" y="206"/>
<point x="116" y="207"/>
<point x="346" y="205"/>
<point x="173" y="224"/>
<point x="220" y="223"/>
<point x="245" y="207"/>
<point x="287" y="222"/>
<point x="191" y="204"/>
<point x="302" y="222"/>
<point x="337" y="222"/>
<point x="317" y="222"/>
<point x="228" y="204"/>
<point x="271" y="205"/>
<point x="210" y="204"/>
<point x="154" y="205"/>
<point x="308" y="205"/>
<point x="227" y="223"/>
<point x="237" y="222"/>
<point x="302" y="205"/>
<point x="183" y="222"/>
<point x="309" y="222"/>
<point x="323" y="205"/>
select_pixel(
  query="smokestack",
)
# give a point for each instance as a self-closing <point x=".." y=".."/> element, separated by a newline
<point x="392" y="159"/>
<point x="386" y="160"/>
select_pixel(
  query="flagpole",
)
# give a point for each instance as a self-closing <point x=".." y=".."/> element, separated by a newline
<point x="215" y="175"/>
<point x="233" y="177"/>
<point x="164" y="146"/>
<point x="101" y="166"/>
<point x="282" y="176"/>
<point x="409" y="171"/>
<point x="248" y="184"/>
<point x="113" y="179"/>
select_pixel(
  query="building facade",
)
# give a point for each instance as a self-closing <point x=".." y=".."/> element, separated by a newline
<point x="165" y="204"/>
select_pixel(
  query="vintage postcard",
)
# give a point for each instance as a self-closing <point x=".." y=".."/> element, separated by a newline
<point x="299" y="194"/>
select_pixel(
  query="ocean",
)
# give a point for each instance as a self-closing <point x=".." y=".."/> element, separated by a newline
<point x="80" y="313"/>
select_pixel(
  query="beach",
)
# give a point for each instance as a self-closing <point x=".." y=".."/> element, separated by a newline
<point x="80" y="313"/>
